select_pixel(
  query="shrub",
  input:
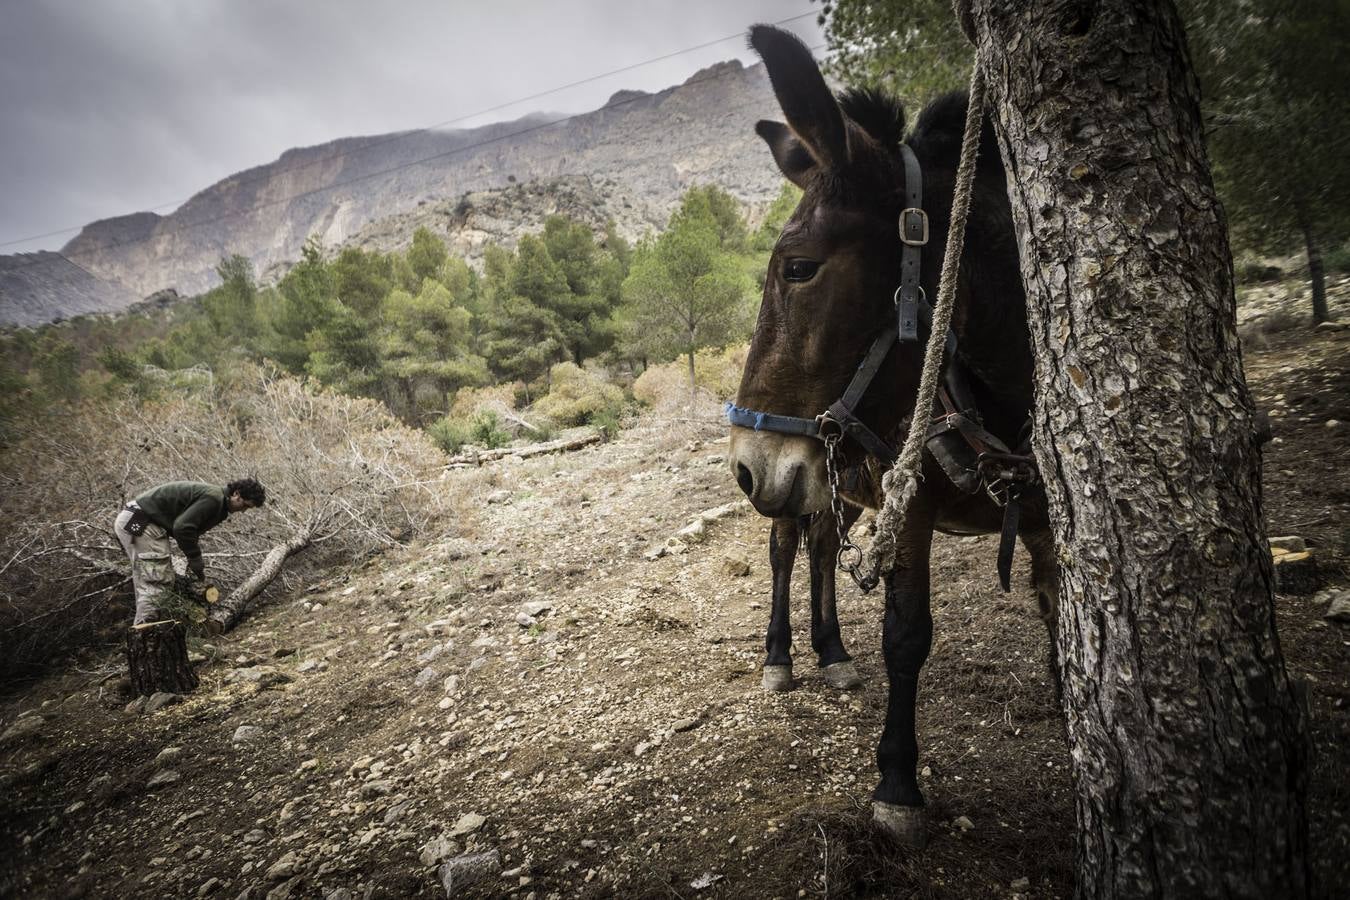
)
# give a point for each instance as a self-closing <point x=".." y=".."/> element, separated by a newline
<point x="717" y="375"/>
<point x="484" y="428"/>
<point x="577" y="396"/>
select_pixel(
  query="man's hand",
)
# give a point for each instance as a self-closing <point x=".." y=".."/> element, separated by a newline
<point x="198" y="568"/>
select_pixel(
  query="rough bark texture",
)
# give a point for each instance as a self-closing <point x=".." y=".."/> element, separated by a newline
<point x="227" y="613"/>
<point x="157" y="659"/>
<point x="1316" y="271"/>
<point x="1186" y="736"/>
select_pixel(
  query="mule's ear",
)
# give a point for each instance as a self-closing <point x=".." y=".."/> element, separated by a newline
<point x="801" y="90"/>
<point x="793" y="159"/>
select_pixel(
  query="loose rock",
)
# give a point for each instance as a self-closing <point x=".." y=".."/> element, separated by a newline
<point x="458" y="875"/>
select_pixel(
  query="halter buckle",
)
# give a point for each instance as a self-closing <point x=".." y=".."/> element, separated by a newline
<point x="829" y="427"/>
<point x="913" y="219"/>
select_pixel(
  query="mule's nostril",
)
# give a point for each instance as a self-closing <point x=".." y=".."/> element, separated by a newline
<point x="745" y="479"/>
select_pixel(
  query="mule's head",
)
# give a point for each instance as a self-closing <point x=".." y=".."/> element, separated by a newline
<point x="831" y="279"/>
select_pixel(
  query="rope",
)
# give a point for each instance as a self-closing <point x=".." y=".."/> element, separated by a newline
<point x="901" y="483"/>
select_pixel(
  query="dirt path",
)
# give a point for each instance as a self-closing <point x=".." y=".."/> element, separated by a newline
<point x="534" y="684"/>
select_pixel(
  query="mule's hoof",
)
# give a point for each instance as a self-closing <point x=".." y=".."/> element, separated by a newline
<point x="842" y="675"/>
<point x="777" y="679"/>
<point x="904" y="823"/>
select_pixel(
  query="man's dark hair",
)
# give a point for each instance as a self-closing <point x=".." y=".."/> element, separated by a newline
<point x="249" y="489"/>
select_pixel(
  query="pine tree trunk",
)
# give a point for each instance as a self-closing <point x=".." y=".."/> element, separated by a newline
<point x="1316" y="271"/>
<point x="227" y="613"/>
<point x="157" y="659"/>
<point x="1186" y="737"/>
<point x="693" y="384"/>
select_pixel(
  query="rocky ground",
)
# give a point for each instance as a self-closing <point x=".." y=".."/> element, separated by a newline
<point x="557" y="710"/>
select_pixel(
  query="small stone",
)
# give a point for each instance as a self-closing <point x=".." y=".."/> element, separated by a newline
<point x="284" y="868"/>
<point x="159" y="779"/>
<point x="694" y="532"/>
<point x="168" y="755"/>
<point x="964" y="823"/>
<point x="75" y="807"/>
<point x="134" y="708"/>
<point x="656" y="553"/>
<point x="246" y="734"/>
<point x="1339" y="608"/>
<point x="208" y="886"/>
<point x="736" y="566"/>
<point x="425" y="677"/>
<point x="688" y="724"/>
<point x="1021" y="884"/>
<point x="437" y="849"/>
<point x="537" y="608"/>
<point x="460" y="874"/>
<point x="309" y="765"/>
<point x="161" y="699"/>
<point x="467" y="824"/>
<point x="705" y="881"/>
<point x="262" y="676"/>
<point x="309" y="665"/>
<point x="21" y="730"/>
<point x="451" y="684"/>
<point x="498" y="497"/>
<point x="377" y="788"/>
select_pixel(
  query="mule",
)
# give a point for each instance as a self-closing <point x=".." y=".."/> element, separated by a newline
<point x="856" y="243"/>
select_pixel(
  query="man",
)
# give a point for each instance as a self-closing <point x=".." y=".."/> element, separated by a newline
<point x="183" y="509"/>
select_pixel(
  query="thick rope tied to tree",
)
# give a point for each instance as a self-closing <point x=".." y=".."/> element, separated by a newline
<point x="901" y="483"/>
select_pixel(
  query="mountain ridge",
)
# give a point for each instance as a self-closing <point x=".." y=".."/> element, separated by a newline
<point x="641" y="149"/>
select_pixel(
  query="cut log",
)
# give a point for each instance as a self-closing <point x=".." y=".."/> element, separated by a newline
<point x="478" y="457"/>
<point x="227" y="613"/>
<point x="157" y="659"/>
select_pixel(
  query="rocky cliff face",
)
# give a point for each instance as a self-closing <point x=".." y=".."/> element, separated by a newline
<point x="629" y="160"/>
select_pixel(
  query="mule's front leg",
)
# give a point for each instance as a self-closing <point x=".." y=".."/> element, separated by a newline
<point x="907" y="636"/>
<point x="823" y="542"/>
<point x="783" y="540"/>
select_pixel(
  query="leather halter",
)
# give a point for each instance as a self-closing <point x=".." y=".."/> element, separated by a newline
<point x="911" y="307"/>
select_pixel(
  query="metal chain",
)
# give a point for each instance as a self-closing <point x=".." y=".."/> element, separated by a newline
<point x="850" y="556"/>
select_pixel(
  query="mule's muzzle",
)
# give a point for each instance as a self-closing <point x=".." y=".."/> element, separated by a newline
<point x="783" y="475"/>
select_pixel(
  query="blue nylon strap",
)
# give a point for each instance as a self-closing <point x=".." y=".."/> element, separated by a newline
<point x="762" y="421"/>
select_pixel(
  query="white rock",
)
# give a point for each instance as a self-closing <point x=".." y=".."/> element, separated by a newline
<point x="467" y="824"/>
<point x="246" y="734"/>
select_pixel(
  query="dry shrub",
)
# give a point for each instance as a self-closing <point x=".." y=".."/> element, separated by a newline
<point x="717" y="375"/>
<point x="495" y="398"/>
<point x="577" y="396"/>
<point x="339" y="468"/>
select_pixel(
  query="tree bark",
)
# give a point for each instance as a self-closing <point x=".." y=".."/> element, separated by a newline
<point x="157" y="659"/>
<point x="693" y="383"/>
<point x="1316" y="271"/>
<point x="227" y="613"/>
<point x="1187" y="740"/>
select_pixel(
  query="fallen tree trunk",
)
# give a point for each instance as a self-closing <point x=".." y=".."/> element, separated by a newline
<point x="481" y="456"/>
<point x="227" y="613"/>
<point x="157" y="659"/>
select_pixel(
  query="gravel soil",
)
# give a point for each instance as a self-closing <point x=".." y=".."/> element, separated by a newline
<point x="533" y="683"/>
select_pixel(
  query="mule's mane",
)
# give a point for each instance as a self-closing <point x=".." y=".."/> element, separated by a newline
<point x="876" y="112"/>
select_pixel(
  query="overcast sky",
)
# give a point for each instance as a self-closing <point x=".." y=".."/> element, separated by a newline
<point x="109" y="107"/>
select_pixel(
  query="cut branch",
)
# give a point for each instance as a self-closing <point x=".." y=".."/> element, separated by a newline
<point x="227" y="613"/>
<point x="482" y="456"/>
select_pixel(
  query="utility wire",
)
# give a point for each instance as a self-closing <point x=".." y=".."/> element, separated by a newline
<point x="179" y="229"/>
<point x="404" y="135"/>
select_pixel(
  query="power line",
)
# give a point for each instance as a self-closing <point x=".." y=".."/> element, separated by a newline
<point x="404" y="135"/>
<point x="179" y="229"/>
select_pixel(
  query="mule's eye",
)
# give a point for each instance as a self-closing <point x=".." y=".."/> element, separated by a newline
<point x="800" y="269"/>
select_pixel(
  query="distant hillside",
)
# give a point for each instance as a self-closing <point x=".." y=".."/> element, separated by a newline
<point x="36" y="288"/>
<point x="629" y="160"/>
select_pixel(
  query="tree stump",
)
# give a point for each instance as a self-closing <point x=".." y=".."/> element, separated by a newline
<point x="157" y="659"/>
